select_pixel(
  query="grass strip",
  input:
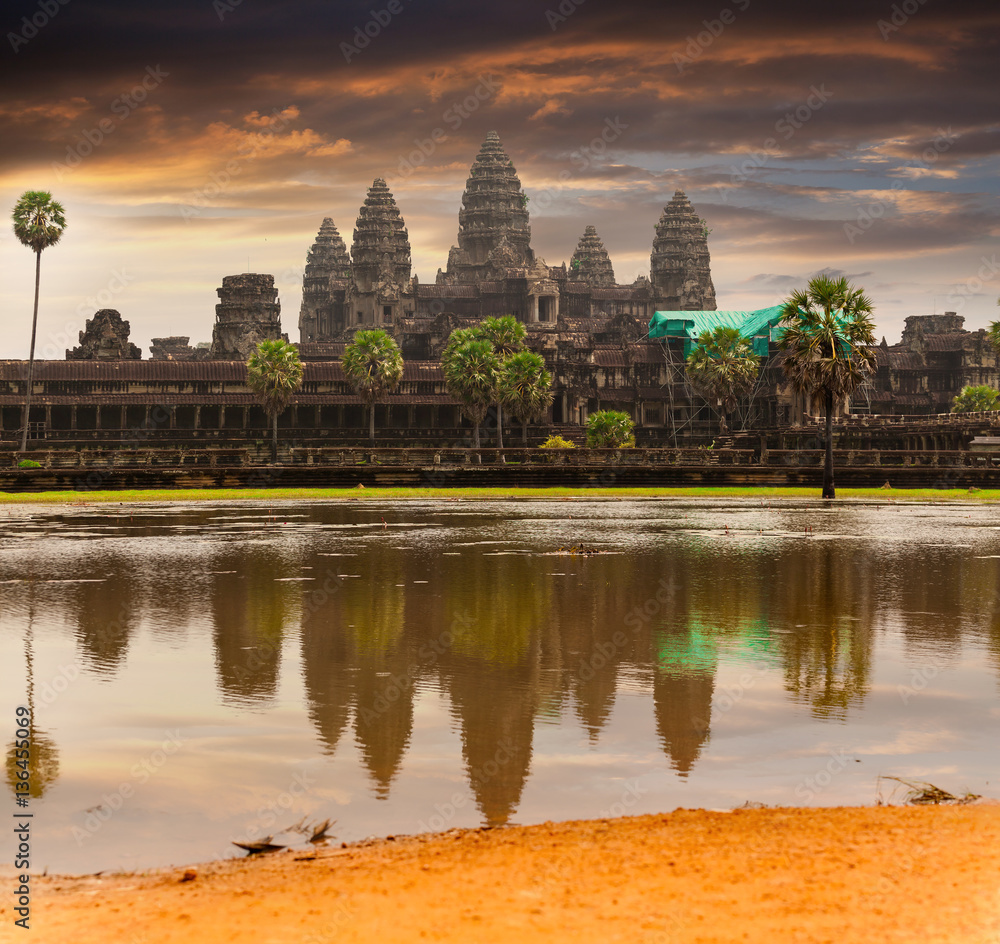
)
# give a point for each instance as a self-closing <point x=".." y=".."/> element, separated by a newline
<point x="122" y="496"/>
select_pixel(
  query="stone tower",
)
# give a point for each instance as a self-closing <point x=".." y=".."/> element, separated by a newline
<point x="105" y="338"/>
<point x="590" y="262"/>
<point x="493" y="231"/>
<point x="248" y="312"/>
<point x="380" y="261"/>
<point x="680" y="268"/>
<point x="328" y="267"/>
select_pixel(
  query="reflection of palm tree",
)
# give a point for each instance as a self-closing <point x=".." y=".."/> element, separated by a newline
<point x="383" y="719"/>
<point x="248" y="630"/>
<point x="43" y="766"/>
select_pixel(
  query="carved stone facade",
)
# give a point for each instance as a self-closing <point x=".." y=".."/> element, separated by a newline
<point x="590" y="262"/>
<point x="327" y="275"/>
<point x="248" y="312"/>
<point x="177" y="348"/>
<point x="493" y="270"/>
<point x="493" y="230"/>
<point x="380" y="261"/>
<point x="680" y="264"/>
<point x="105" y="337"/>
<point x="935" y="358"/>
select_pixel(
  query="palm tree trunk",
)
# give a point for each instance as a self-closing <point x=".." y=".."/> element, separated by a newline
<point x="371" y="423"/>
<point x="31" y="356"/>
<point x="475" y="443"/>
<point x="274" y="440"/>
<point x="499" y="426"/>
<point x="723" y="426"/>
<point x="828" y="489"/>
<point x="524" y="432"/>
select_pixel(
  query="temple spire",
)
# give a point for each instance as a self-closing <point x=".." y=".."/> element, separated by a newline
<point x="590" y="262"/>
<point x="680" y="266"/>
<point x="326" y="261"/>
<point x="493" y="230"/>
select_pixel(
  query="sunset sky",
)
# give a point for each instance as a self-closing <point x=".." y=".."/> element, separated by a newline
<point x="189" y="141"/>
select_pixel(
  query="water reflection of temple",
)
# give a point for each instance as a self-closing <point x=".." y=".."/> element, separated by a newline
<point x="511" y="641"/>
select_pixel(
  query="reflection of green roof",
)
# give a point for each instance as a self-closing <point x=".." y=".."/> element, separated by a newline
<point x="749" y="640"/>
<point x="758" y="326"/>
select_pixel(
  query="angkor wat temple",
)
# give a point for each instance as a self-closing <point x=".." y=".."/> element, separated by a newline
<point x="593" y="332"/>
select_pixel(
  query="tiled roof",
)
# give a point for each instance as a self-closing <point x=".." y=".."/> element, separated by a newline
<point x="165" y="371"/>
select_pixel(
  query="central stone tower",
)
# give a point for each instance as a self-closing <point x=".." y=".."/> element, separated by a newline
<point x="493" y="231"/>
<point x="680" y="267"/>
<point x="380" y="260"/>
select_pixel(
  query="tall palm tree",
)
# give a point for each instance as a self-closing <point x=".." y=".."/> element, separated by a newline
<point x="523" y="388"/>
<point x="373" y="365"/>
<point x="274" y="373"/>
<point x="506" y="334"/>
<point x="723" y="367"/>
<point x="829" y="344"/>
<point x="38" y="223"/>
<point x="470" y="371"/>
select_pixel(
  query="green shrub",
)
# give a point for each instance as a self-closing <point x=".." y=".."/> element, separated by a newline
<point x="610" y="429"/>
<point x="557" y="442"/>
<point x="29" y="464"/>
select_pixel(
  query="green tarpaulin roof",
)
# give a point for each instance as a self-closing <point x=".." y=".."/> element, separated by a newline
<point x="689" y="324"/>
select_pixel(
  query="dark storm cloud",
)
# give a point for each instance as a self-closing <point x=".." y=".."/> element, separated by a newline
<point x="729" y="91"/>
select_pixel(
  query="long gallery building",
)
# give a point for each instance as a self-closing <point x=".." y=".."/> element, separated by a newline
<point x="607" y="345"/>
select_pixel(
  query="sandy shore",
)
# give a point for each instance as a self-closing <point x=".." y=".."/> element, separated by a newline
<point x="883" y="874"/>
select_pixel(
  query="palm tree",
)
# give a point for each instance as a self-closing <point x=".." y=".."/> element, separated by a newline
<point x="274" y="373"/>
<point x="38" y="224"/>
<point x="506" y="334"/>
<point x="829" y="344"/>
<point x="976" y="399"/>
<point x="373" y="364"/>
<point x="523" y="387"/>
<point x="470" y="371"/>
<point x="994" y="333"/>
<point x="723" y="367"/>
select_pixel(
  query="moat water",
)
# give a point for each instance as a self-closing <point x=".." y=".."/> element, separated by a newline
<point x="207" y="673"/>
